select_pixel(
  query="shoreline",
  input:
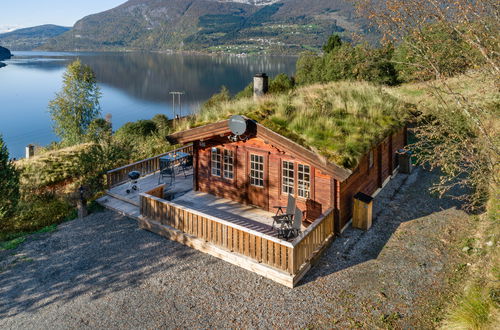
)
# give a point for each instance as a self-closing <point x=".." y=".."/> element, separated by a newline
<point x="170" y="52"/>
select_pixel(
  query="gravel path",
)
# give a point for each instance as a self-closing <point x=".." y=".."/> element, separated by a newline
<point x="104" y="272"/>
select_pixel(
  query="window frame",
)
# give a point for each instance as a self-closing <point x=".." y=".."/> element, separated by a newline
<point x="302" y="182"/>
<point x="260" y="178"/>
<point x="218" y="154"/>
<point x="288" y="178"/>
<point x="226" y="165"/>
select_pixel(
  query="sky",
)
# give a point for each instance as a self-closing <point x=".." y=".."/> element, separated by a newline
<point x="27" y="13"/>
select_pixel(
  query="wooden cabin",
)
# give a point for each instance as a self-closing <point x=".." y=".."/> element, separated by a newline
<point x="242" y="169"/>
<point x="261" y="167"/>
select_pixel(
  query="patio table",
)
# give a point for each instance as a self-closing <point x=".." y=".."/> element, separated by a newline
<point x="168" y="160"/>
<point x="174" y="156"/>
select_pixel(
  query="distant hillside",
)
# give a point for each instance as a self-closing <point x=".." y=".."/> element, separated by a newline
<point x="30" y="38"/>
<point x="238" y="26"/>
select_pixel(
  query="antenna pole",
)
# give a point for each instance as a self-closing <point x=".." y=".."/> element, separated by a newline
<point x="173" y="104"/>
<point x="178" y="101"/>
<point x="180" y="109"/>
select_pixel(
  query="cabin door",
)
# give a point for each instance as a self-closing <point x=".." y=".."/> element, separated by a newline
<point x="257" y="179"/>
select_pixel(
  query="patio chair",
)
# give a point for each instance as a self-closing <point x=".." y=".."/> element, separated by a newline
<point x="287" y="216"/>
<point x="166" y="170"/>
<point x="292" y="229"/>
<point x="291" y="201"/>
<point x="297" y="222"/>
<point x="187" y="164"/>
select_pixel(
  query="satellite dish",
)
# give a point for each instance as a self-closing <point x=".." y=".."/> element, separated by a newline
<point x="237" y="125"/>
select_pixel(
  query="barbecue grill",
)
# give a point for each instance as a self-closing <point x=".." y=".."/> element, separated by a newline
<point x="132" y="184"/>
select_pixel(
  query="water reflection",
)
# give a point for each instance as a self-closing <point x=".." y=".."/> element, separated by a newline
<point x="150" y="76"/>
<point x="134" y="85"/>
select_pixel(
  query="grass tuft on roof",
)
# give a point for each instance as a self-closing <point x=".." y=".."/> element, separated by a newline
<point x="340" y="121"/>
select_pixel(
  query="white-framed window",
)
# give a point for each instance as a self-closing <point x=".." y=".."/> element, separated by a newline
<point x="287" y="177"/>
<point x="228" y="164"/>
<point x="257" y="170"/>
<point x="216" y="162"/>
<point x="303" y="181"/>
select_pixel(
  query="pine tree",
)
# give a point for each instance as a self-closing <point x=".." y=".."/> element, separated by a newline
<point x="76" y="105"/>
<point x="9" y="184"/>
<point x="333" y="42"/>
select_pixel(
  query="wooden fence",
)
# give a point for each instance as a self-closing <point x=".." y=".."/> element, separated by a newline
<point x="146" y="166"/>
<point x="286" y="256"/>
<point x="309" y="242"/>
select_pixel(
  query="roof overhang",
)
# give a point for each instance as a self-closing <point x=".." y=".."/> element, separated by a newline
<point x="221" y="128"/>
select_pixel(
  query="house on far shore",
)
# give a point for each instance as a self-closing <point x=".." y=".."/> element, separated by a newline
<point x="322" y="144"/>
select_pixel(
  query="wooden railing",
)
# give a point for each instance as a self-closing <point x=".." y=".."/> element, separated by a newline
<point x="253" y="244"/>
<point x="306" y="245"/>
<point x="158" y="191"/>
<point x="269" y="250"/>
<point x="146" y="166"/>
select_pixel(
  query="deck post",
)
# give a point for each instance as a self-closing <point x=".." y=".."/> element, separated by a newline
<point x="81" y="204"/>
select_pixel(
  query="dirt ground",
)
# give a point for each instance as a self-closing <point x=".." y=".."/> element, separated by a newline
<point x="104" y="272"/>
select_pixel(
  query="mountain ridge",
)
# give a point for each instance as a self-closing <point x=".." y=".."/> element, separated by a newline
<point x="31" y="37"/>
<point x="237" y="26"/>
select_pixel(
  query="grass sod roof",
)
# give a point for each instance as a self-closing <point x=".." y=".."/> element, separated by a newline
<point x="340" y="121"/>
<point x="52" y="167"/>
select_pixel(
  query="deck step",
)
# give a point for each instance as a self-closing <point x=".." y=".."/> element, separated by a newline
<point x="122" y="198"/>
<point x="122" y="207"/>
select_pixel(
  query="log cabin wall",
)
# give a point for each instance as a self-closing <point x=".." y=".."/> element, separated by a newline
<point x="370" y="175"/>
<point x="325" y="192"/>
<point x="239" y="189"/>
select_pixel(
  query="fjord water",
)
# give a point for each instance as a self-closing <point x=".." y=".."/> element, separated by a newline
<point x="133" y="85"/>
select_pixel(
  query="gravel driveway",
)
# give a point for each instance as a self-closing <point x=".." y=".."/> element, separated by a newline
<point x="104" y="272"/>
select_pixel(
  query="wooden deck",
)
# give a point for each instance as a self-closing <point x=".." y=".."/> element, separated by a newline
<point x="181" y="192"/>
<point x="244" y="215"/>
<point x="237" y="233"/>
<point x="180" y="185"/>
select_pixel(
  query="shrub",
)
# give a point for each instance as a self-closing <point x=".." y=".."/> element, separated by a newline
<point x="246" y="92"/>
<point x="99" y="130"/>
<point x="280" y="84"/>
<point x="348" y="62"/>
<point x="161" y="122"/>
<point x="143" y="138"/>
<point x="218" y="98"/>
<point x="97" y="160"/>
<point x="38" y="211"/>
<point x="308" y="68"/>
<point x="140" y="128"/>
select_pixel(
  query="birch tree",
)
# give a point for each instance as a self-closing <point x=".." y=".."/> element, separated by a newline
<point x="76" y="105"/>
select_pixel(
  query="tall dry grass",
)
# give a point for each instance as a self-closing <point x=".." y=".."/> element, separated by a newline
<point x="340" y="120"/>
